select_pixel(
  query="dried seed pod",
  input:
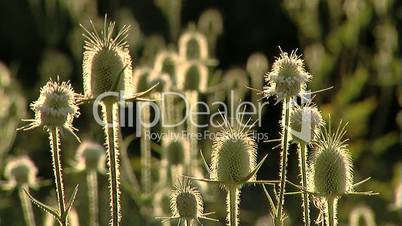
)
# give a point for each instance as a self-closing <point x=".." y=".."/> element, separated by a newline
<point x="233" y="157"/>
<point x="287" y="78"/>
<point x="105" y="59"/>
<point x="186" y="201"/>
<point x="166" y="62"/>
<point x="21" y="171"/>
<point x="91" y="156"/>
<point x="176" y="151"/>
<point x="305" y="122"/>
<point x="332" y="165"/>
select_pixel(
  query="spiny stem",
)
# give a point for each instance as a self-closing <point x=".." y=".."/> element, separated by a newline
<point x="110" y="114"/>
<point x="145" y="149"/>
<point x="284" y="160"/>
<point x="233" y="199"/>
<point x="26" y="206"/>
<point x="331" y="212"/>
<point x="192" y="123"/>
<point x="92" y="182"/>
<point x="303" y="172"/>
<point x="55" y="149"/>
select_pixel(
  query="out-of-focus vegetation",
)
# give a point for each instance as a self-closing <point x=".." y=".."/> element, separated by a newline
<point x="353" y="45"/>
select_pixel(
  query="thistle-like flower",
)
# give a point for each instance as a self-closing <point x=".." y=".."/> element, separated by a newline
<point x="55" y="107"/>
<point x="106" y="61"/>
<point x="186" y="204"/>
<point x="287" y="78"/>
<point x="177" y="150"/>
<point x="193" y="46"/>
<point x="21" y="171"/>
<point x="305" y="122"/>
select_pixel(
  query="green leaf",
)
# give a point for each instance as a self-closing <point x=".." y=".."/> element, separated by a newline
<point x="43" y="206"/>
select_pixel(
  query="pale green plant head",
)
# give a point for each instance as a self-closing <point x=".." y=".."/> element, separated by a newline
<point x="257" y="64"/>
<point x="55" y="107"/>
<point x="21" y="171"/>
<point x="193" y="46"/>
<point x="107" y="61"/>
<point x="287" y="78"/>
<point x="177" y="151"/>
<point x="305" y="121"/>
<point x="332" y="166"/>
<point x="186" y="201"/>
<point x="166" y="61"/>
<point x="211" y="23"/>
<point x="233" y="156"/>
<point x="91" y="156"/>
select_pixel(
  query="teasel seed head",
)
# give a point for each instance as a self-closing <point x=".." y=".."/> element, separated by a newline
<point x="186" y="201"/>
<point x="257" y="64"/>
<point x="236" y="79"/>
<point x="106" y="58"/>
<point x="163" y="80"/>
<point x="166" y="61"/>
<point x="332" y="166"/>
<point x="287" y="78"/>
<point x="161" y="202"/>
<point x="55" y="107"/>
<point x="211" y="22"/>
<point x="91" y="156"/>
<point x="140" y="79"/>
<point x="192" y="76"/>
<point x="21" y="171"/>
<point x="193" y="46"/>
<point x="233" y="157"/>
<point x="305" y="121"/>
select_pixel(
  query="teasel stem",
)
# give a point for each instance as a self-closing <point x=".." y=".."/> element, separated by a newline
<point x="233" y="206"/>
<point x="331" y="211"/>
<point x="26" y="206"/>
<point x="192" y="123"/>
<point x="303" y="172"/>
<point x="55" y="149"/>
<point x="92" y="182"/>
<point x="110" y="114"/>
<point x="145" y="150"/>
<point x="284" y="159"/>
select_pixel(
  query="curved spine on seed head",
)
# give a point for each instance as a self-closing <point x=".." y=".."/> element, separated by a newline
<point x="193" y="46"/>
<point x="192" y="76"/>
<point x="107" y="60"/>
<point x="287" y="78"/>
<point x="332" y="168"/>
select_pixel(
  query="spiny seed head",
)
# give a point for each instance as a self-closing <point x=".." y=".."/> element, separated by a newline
<point x="306" y="121"/>
<point x="161" y="202"/>
<point x="236" y="79"/>
<point x="332" y="165"/>
<point x="91" y="156"/>
<point x="186" y="201"/>
<point x="233" y="156"/>
<point x="21" y="171"/>
<point x="192" y="76"/>
<point x="105" y="59"/>
<point x="193" y="46"/>
<point x="211" y="22"/>
<point x="176" y="151"/>
<point x="55" y="106"/>
<point x="287" y="78"/>
<point x="163" y="80"/>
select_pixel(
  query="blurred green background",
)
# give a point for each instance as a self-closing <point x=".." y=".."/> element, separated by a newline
<point x="353" y="45"/>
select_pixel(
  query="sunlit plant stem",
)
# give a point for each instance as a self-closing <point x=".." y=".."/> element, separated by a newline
<point x="92" y="181"/>
<point x="303" y="174"/>
<point x="145" y="149"/>
<point x="233" y="202"/>
<point x="26" y="206"/>
<point x="55" y="149"/>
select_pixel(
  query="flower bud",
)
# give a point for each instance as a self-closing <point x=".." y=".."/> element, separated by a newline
<point x="91" y="156"/>
<point x="193" y="46"/>
<point x="305" y="121"/>
<point x="21" y="171"/>
<point x="186" y="201"/>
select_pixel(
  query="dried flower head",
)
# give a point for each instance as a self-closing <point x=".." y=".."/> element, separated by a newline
<point x="177" y="150"/>
<point x="166" y="61"/>
<point x="257" y="64"/>
<point x="305" y="122"/>
<point x="21" y="171"/>
<point x="107" y="62"/>
<point x="91" y="156"/>
<point x="211" y="22"/>
<point x="55" y="107"/>
<point x="192" y="76"/>
<point x="186" y="201"/>
<point x="233" y="156"/>
<point x="332" y="165"/>
<point x="287" y="78"/>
